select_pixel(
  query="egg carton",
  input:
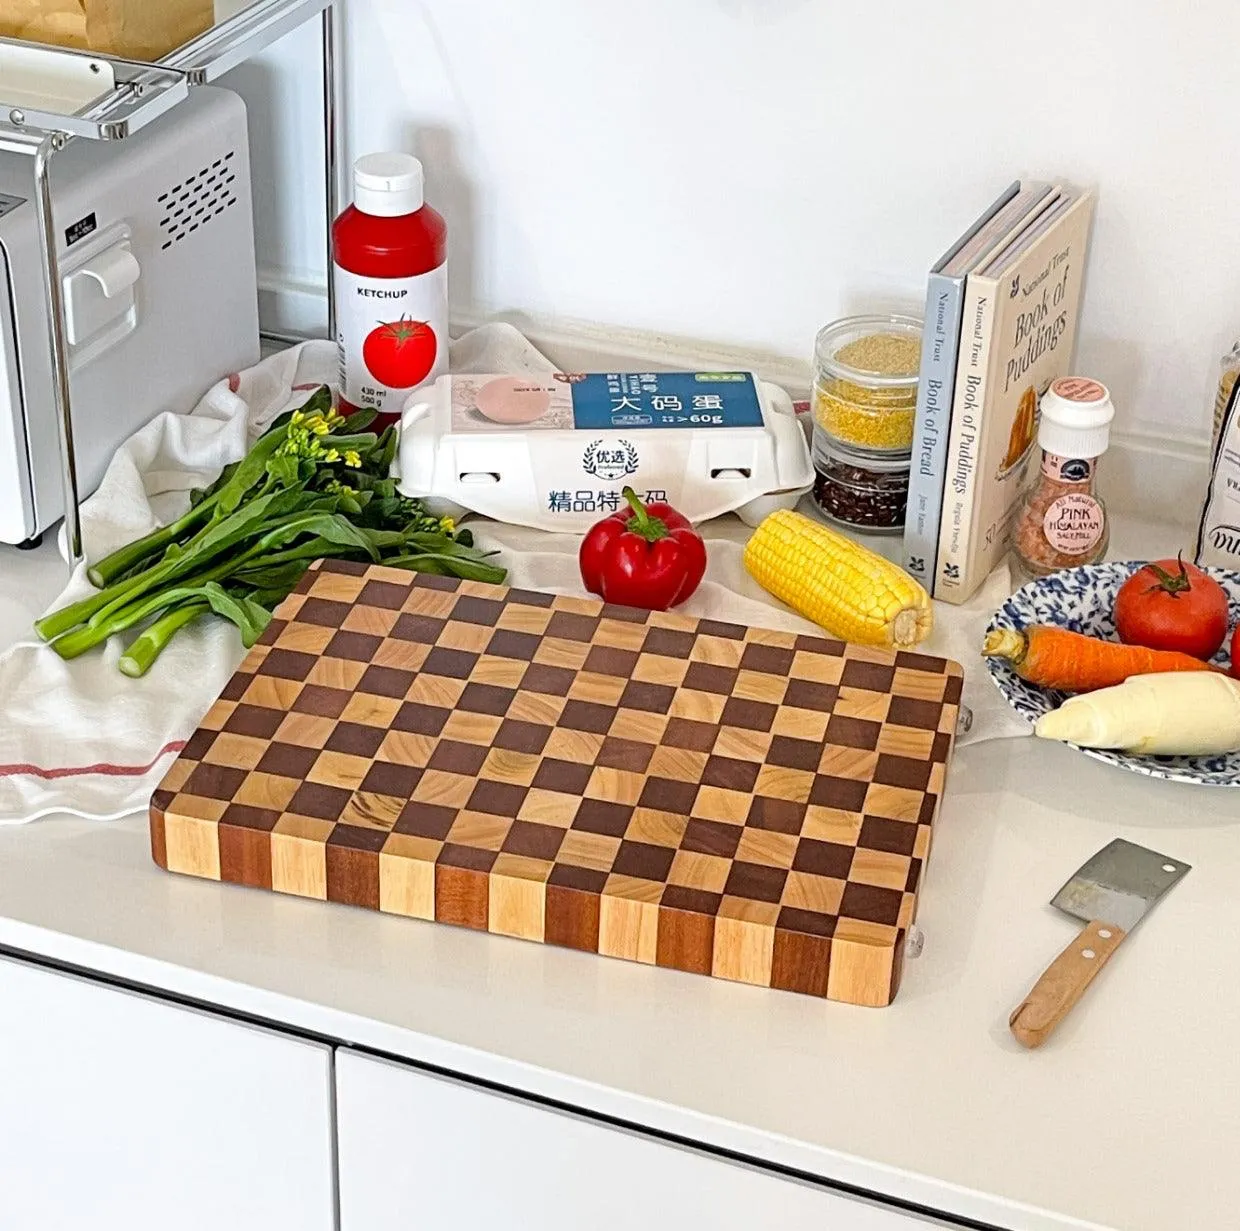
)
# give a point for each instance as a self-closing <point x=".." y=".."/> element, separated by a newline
<point x="556" y="451"/>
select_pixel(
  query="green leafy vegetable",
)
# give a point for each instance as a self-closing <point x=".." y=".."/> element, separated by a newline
<point x="313" y="485"/>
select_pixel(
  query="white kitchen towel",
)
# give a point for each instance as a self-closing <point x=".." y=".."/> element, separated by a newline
<point x="79" y="737"/>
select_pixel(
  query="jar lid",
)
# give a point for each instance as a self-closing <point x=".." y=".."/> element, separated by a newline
<point x="878" y="351"/>
<point x="830" y="448"/>
<point x="1076" y="418"/>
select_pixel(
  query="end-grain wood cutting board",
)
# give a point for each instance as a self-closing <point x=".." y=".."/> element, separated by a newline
<point x="732" y="801"/>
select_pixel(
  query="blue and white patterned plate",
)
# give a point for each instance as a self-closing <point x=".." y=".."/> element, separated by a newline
<point x="1082" y="599"/>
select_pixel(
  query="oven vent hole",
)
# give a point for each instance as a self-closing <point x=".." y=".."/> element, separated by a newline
<point x="198" y="199"/>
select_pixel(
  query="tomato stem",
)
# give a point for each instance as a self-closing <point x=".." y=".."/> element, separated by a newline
<point x="1174" y="586"/>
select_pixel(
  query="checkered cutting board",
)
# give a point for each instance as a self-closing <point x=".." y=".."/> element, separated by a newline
<point x="732" y="801"/>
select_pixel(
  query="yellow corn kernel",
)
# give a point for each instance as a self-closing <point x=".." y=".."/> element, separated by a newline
<point x="848" y="590"/>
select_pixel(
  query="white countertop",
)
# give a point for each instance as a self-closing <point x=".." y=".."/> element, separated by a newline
<point x="1126" y="1119"/>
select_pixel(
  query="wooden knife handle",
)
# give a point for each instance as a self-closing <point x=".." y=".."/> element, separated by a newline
<point x="1063" y="983"/>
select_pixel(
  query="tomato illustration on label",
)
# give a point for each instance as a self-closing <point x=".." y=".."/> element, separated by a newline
<point x="400" y="354"/>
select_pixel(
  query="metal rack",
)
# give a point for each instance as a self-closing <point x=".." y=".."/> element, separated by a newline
<point x="130" y="96"/>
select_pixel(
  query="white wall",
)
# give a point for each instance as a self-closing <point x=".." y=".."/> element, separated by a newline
<point x="746" y="170"/>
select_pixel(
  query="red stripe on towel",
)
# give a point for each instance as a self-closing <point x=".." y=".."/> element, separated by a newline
<point x="77" y="771"/>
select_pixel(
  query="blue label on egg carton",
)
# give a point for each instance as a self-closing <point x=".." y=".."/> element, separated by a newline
<point x="628" y="400"/>
<point x="605" y="401"/>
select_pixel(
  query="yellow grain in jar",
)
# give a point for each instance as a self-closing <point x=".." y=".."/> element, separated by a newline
<point x="865" y="386"/>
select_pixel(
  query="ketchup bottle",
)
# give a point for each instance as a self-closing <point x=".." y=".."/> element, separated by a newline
<point x="391" y="277"/>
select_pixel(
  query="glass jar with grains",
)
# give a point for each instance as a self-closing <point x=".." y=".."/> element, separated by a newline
<point x="1063" y="523"/>
<point x="864" y="404"/>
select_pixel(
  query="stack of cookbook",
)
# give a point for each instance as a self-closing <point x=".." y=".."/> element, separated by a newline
<point x="1000" y="326"/>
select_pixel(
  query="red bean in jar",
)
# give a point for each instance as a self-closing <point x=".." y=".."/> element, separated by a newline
<point x="857" y="488"/>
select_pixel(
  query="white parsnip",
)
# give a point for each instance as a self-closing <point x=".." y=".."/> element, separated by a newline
<point x="1191" y="714"/>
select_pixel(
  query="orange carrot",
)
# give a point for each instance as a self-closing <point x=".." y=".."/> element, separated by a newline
<point x="1071" y="662"/>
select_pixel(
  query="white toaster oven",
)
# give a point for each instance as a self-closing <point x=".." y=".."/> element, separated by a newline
<point x="156" y="237"/>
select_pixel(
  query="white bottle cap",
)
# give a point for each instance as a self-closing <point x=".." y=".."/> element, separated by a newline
<point x="1076" y="418"/>
<point x="387" y="185"/>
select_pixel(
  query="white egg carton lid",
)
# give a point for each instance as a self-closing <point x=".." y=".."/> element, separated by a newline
<point x="556" y="451"/>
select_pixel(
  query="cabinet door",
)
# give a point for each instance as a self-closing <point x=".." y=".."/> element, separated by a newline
<point x="118" y="1111"/>
<point x="421" y="1151"/>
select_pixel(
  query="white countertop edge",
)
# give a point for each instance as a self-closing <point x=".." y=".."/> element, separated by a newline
<point x="471" y="1064"/>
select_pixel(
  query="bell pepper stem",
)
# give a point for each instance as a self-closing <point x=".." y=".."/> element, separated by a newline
<point x="652" y="529"/>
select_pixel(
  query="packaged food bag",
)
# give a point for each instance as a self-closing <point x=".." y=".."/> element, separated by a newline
<point x="132" y="29"/>
<point x="1218" y="536"/>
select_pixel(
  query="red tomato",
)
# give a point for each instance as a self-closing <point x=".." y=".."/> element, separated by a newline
<point x="1235" y="653"/>
<point x="400" y="354"/>
<point x="1170" y="605"/>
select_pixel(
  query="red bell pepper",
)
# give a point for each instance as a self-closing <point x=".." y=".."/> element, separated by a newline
<point x="645" y="555"/>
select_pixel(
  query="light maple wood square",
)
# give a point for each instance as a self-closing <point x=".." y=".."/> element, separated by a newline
<point x="502" y="672"/>
<point x="305" y="730"/>
<point x="742" y="744"/>
<point x="697" y="706"/>
<point x="694" y="870"/>
<point x="884" y="868"/>
<point x="864" y="704"/>
<point x="807" y="891"/>
<point x="549" y="808"/>
<point x="342" y="673"/>
<point x="367" y="710"/>
<point x="373" y="621"/>
<point x="764" y="846"/>
<point x="588" y="850"/>
<point x="522" y="619"/>
<point x="718" y="651"/>
<point x="560" y="652"/>
<point x="407" y="748"/>
<point x="514" y="768"/>
<point x="715" y="803"/>
<point x="472" y="638"/>
<point x="893" y="802"/>
<point x="339" y="769"/>
<point x="760" y="686"/>
<point x="799" y="723"/>
<point x="921" y="685"/>
<point x="437" y="690"/>
<point x="481" y="830"/>
<point x="580" y="747"/>
<point x="401" y="655"/>
<point x="743" y="950"/>
<point x="537" y="707"/>
<point x="818" y="668"/>
<point x="267" y="791"/>
<point x="657" y="828"/>
<point x="780" y="782"/>
<point x="470" y="728"/>
<point x="600" y="689"/>
<point x="448" y="790"/>
<point x="680" y="764"/>
<point x="618" y="785"/>
<point x="659" y="669"/>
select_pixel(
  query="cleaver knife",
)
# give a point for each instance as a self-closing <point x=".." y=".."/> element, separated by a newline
<point x="1111" y="892"/>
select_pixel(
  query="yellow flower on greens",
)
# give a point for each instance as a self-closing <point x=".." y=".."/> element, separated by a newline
<point x="352" y="458"/>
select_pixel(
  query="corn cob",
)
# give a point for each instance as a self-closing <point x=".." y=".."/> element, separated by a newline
<point x="853" y="593"/>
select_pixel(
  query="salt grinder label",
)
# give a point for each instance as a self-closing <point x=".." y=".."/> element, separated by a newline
<point x="1074" y="524"/>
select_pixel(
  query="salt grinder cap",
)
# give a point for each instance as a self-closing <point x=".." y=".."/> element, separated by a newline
<point x="1076" y="418"/>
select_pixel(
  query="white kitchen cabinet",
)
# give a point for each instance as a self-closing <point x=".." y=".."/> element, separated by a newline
<point x="420" y="1151"/>
<point x="122" y="1112"/>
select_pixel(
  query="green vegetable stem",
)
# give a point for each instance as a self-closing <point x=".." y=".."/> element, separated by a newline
<point x="313" y="485"/>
